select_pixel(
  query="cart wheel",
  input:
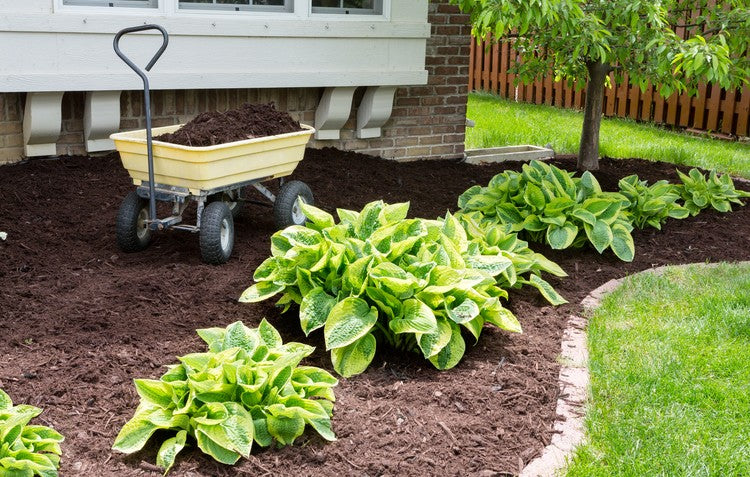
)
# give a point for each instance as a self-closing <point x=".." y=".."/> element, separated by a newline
<point x="229" y="197"/>
<point x="217" y="233"/>
<point x="131" y="228"/>
<point x="286" y="209"/>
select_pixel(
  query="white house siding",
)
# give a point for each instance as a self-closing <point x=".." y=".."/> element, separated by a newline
<point x="290" y="62"/>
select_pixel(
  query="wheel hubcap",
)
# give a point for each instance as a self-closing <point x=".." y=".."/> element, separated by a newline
<point x="298" y="217"/>
<point x="224" y="234"/>
<point x="141" y="229"/>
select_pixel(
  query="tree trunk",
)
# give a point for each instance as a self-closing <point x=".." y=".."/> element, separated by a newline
<point x="588" y="153"/>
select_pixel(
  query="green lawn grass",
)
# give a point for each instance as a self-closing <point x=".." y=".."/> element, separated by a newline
<point x="501" y="122"/>
<point x="670" y="376"/>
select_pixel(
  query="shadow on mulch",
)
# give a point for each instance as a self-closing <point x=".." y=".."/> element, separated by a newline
<point x="79" y="320"/>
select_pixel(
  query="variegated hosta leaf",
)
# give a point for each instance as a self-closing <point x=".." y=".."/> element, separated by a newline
<point x="348" y="321"/>
<point x="451" y="354"/>
<point x="622" y="243"/>
<point x="561" y="237"/>
<point x="314" y="310"/>
<point x="319" y="218"/>
<point x="417" y="318"/>
<point x="355" y="357"/>
<point x="600" y="235"/>
<point x="260" y="291"/>
<point x="432" y="343"/>
<point x="546" y="290"/>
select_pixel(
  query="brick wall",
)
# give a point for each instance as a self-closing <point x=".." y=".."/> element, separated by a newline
<point x="11" y="126"/>
<point x="428" y="121"/>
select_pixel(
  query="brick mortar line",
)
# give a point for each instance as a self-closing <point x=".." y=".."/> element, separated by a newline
<point x="574" y="383"/>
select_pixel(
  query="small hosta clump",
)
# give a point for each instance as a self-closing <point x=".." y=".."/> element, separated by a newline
<point x="700" y="192"/>
<point x="26" y="450"/>
<point x="247" y="388"/>
<point x="378" y="278"/>
<point x="546" y="204"/>
<point x="651" y="205"/>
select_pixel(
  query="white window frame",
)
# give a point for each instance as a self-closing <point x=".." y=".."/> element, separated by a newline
<point x="298" y="9"/>
<point x="378" y="10"/>
<point x="288" y="7"/>
<point x="152" y="4"/>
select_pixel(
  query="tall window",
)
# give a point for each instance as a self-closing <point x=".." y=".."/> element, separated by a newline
<point x="114" y="3"/>
<point x="355" y="7"/>
<point x="237" y="5"/>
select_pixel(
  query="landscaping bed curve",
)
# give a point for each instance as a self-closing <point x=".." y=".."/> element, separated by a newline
<point x="80" y="320"/>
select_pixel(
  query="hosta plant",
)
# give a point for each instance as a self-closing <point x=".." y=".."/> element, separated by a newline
<point x="546" y="204"/>
<point x="700" y="192"/>
<point x="651" y="205"/>
<point x="247" y="388"/>
<point x="488" y="238"/>
<point x="378" y="277"/>
<point x="26" y="450"/>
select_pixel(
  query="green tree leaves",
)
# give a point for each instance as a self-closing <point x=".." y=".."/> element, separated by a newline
<point x="248" y="388"/>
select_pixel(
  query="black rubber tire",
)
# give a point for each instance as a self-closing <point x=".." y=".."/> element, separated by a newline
<point x="130" y="228"/>
<point x="285" y="209"/>
<point x="217" y="233"/>
<point x="234" y="207"/>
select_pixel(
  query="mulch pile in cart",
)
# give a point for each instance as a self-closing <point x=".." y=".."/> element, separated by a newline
<point x="246" y="122"/>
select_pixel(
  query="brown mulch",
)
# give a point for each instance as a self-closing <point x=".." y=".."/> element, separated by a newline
<point x="79" y="320"/>
<point x="245" y="122"/>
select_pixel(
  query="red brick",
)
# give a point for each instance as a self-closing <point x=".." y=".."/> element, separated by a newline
<point x="447" y="8"/>
<point x="453" y="138"/>
<point x="11" y="127"/>
<point x="406" y="141"/>
<point x="446" y="70"/>
<point x="430" y="140"/>
<point x="439" y="150"/>
<point x="422" y="151"/>
<point x="446" y="30"/>
<point x="458" y="99"/>
<point x="407" y="101"/>
<point x="463" y="80"/>
<point x="458" y="60"/>
<point x="432" y="100"/>
<point x="441" y="110"/>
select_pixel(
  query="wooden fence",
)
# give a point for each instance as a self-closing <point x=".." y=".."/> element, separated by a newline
<point x="714" y="109"/>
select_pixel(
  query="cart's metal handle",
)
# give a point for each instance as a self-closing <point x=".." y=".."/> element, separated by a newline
<point x="153" y="222"/>
<point x="158" y="54"/>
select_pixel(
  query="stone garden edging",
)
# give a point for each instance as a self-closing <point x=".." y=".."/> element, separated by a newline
<point x="574" y="384"/>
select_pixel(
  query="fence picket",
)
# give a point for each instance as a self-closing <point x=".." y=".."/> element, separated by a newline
<point x="743" y="113"/>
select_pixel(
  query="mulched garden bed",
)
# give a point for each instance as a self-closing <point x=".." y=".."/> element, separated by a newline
<point x="79" y="320"/>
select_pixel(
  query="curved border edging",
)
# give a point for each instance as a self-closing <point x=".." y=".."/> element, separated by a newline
<point x="574" y="382"/>
<point x="574" y="388"/>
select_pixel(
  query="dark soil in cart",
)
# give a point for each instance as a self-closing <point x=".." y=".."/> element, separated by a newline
<point x="245" y="122"/>
<point x="79" y="320"/>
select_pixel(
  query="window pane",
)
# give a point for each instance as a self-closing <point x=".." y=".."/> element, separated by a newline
<point x="327" y="3"/>
<point x="348" y="6"/>
<point x="358" y="4"/>
<point x="237" y="5"/>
